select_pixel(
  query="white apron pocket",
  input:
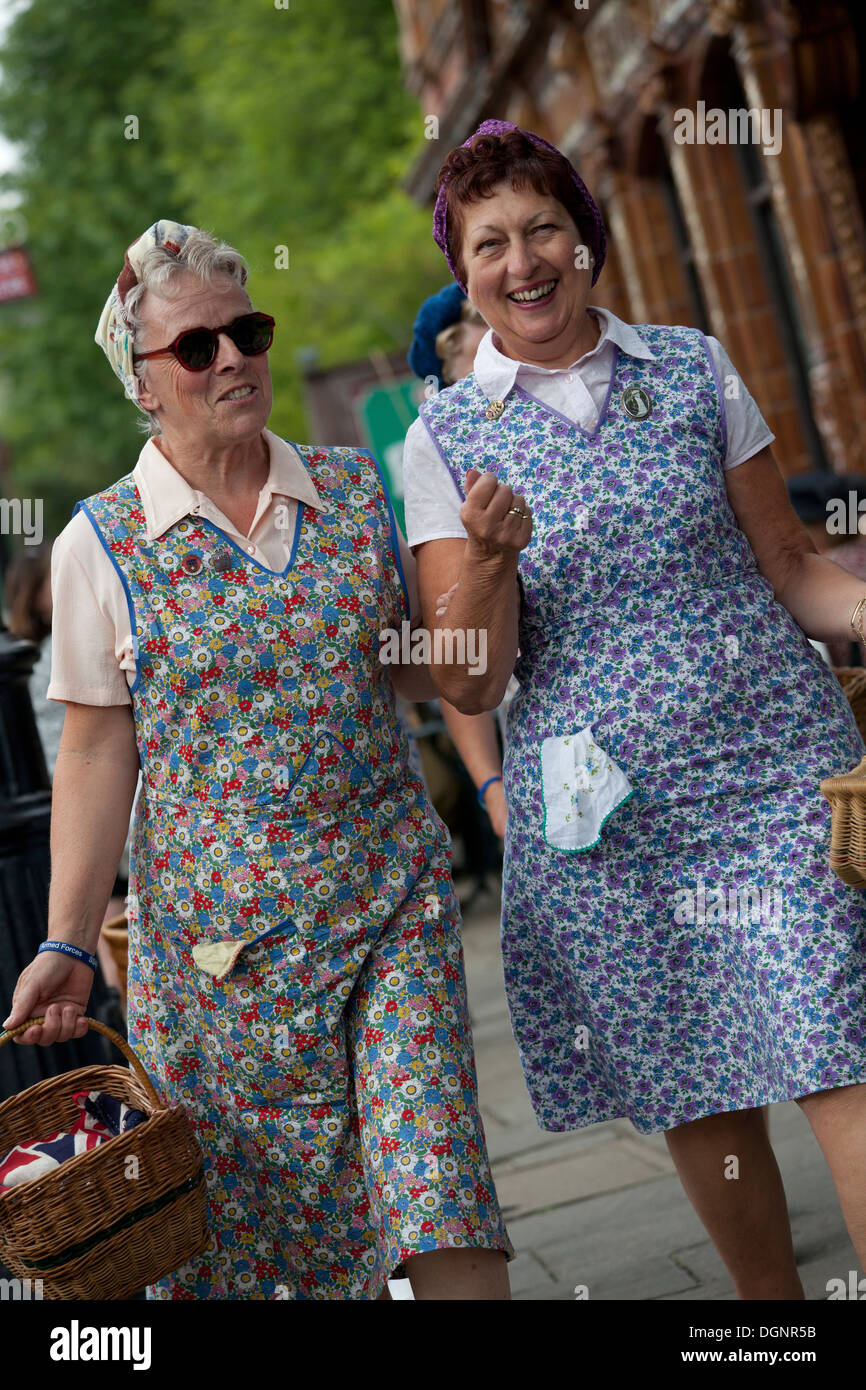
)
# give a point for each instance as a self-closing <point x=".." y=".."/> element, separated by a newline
<point x="581" y="787"/>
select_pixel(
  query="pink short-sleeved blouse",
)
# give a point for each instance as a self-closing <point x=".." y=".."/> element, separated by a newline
<point x="91" y="640"/>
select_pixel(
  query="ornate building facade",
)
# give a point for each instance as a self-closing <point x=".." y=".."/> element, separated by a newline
<point x="724" y="141"/>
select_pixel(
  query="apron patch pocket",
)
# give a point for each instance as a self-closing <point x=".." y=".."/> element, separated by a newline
<point x="265" y="1024"/>
<point x="581" y="787"/>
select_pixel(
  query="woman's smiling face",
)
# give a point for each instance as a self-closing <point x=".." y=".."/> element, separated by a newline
<point x="196" y="402"/>
<point x="517" y="241"/>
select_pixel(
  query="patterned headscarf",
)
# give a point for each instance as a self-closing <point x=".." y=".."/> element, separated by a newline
<point x="113" y="334"/>
<point x="597" y="241"/>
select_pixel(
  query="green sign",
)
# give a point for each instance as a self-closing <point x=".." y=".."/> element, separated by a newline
<point x="385" y="415"/>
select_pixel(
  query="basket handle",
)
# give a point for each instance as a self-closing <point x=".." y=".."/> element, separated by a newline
<point x="8" y="1034"/>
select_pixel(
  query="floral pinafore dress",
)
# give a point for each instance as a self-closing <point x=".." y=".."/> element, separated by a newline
<point x="296" y="975"/>
<point x="675" y="943"/>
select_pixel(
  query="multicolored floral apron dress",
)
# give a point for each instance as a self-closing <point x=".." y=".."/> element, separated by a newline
<point x="296" y="974"/>
<point x="695" y="954"/>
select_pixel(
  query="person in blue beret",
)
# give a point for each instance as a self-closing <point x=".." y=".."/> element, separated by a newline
<point x="447" y="332"/>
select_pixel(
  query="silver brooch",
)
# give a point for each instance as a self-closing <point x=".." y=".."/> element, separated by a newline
<point x="636" y="402"/>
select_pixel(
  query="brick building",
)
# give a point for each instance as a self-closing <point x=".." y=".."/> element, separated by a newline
<point x="766" y="250"/>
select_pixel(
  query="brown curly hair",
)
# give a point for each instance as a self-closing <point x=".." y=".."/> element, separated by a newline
<point x="472" y="171"/>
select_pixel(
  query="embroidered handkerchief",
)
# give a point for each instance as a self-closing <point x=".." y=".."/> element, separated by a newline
<point x="581" y="786"/>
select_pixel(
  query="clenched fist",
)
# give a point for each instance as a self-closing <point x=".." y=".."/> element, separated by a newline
<point x="489" y="516"/>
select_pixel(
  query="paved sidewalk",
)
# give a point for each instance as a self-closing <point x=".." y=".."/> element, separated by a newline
<point x="603" y="1206"/>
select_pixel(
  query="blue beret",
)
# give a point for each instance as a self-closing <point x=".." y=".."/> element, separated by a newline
<point x="436" y="313"/>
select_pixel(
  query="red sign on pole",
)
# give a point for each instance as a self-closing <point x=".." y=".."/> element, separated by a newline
<point x="17" y="280"/>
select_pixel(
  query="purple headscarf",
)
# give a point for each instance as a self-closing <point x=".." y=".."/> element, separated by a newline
<point x="597" y="241"/>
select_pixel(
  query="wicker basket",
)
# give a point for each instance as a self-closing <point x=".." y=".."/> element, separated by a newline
<point x="853" y="680"/>
<point x="847" y="793"/>
<point x="106" y="1223"/>
<point x="847" y="797"/>
<point x="116" y="933"/>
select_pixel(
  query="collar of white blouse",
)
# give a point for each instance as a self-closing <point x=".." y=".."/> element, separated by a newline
<point x="496" y="374"/>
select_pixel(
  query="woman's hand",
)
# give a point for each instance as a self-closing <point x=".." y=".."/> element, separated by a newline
<point x="486" y="515"/>
<point x="443" y="600"/>
<point x="58" y="987"/>
<point x="485" y="605"/>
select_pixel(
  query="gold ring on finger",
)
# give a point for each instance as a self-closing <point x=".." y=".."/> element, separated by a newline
<point x="516" y="511"/>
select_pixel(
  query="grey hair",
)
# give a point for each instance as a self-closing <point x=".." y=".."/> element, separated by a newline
<point x="203" y="256"/>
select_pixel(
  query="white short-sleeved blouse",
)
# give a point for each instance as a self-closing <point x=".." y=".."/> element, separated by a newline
<point x="431" y="500"/>
<point x="91" y="642"/>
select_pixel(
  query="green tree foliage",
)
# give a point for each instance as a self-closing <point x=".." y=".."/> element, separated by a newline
<point x="270" y="127"/>
<point x="82" y="189"/>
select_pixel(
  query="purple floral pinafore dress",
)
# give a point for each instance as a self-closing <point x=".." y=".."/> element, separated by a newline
<point x="296" y="975"/>
<point x="694" y="953"/>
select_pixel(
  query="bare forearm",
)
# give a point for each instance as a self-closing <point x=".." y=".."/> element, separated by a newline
<point x="474" y="737"/>
<point x="483" y="616"/>
<point x="91" y="805"/>
<point x="821" y="597"/>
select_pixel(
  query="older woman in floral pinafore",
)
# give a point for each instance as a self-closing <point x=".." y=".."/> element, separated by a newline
<point x="676" y="947"/>
<point x="296" y="976"/>
<point x="295" y="963"/>
<point x="628" y="1000"/>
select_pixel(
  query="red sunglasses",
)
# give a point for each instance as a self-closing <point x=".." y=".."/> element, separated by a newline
<point x="196" y="348"/>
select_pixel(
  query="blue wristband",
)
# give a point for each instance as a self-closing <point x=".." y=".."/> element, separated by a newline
<point x="68" y="949"/>
<point x="482" y="790"/>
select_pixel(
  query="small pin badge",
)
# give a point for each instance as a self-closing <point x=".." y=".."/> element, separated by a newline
<point x="636" y="402"/>
<point x="494" y="410"/>
<point x="192" y="563"/>
<point x="222" y="560"/>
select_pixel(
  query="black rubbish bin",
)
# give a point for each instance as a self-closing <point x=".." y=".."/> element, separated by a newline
<point x="25" y="818"/>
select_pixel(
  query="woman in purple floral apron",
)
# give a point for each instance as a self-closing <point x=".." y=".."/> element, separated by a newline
<point x="296" y="975"/>
<point x="676" y="948"/>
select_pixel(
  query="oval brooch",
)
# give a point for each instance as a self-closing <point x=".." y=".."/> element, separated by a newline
<point x="636" y="402"/>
